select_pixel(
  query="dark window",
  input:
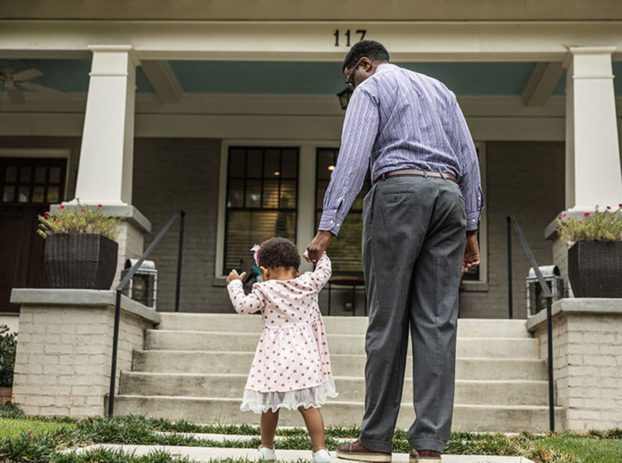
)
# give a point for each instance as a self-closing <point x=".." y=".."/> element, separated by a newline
<point x="262" y="199"/>
<point x="30" y="181"/>
<point x="345" y="250"/>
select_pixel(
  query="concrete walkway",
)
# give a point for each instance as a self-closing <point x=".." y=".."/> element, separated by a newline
<point x="207" y="454"/>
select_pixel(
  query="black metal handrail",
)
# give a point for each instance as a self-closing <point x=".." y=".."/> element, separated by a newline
<point x="179" y="215"/>
<point x="512" y="225"/>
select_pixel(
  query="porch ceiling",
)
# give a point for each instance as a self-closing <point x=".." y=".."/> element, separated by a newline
<point x="310" y="78"/>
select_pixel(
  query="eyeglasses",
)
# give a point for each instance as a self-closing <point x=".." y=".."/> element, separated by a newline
<point x="349" y="82"/>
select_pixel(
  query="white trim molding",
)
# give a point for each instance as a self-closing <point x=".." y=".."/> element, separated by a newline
<point x="307" y="40"/>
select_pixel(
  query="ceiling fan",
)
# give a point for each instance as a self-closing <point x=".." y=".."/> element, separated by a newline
<point x="14" y="82"/>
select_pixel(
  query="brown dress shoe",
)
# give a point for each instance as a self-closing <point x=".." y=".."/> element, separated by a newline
<point x="355" y="451"/>
<point x="425" y="456"/>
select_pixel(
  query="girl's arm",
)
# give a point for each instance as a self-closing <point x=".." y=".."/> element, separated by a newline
<point x="322" y="273"/>
<point x="242" y="303"/>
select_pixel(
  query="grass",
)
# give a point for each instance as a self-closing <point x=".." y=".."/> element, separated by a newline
<point x="39" y="440"/>
<point x="13" y="427"/>
<point x="586" y="449"/>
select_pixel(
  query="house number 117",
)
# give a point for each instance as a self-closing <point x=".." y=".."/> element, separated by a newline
<point x="348" y="35"/>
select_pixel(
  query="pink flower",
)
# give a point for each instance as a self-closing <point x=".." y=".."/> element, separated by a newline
<point x="99" y="205"/>
<point x="587" y="214"/>
<point x="46" y="215"/>
<point x="61" y="207"/>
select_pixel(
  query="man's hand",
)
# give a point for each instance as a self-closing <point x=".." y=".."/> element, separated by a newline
<point x="471" y="252"/>
<point x="234" y="276"/>
<point x="318" y="246"/>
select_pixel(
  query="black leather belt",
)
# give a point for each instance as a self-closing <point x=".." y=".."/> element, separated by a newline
<point x="416" y="173"/>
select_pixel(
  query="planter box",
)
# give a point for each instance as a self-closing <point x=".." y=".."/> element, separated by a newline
<point x="5" y="395"/>
<point x="595" y="268"/>
<point x="80" y="260"/>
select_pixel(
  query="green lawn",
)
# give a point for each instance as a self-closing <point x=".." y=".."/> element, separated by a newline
<point x="38" y="440"/>
<point x="13" y="427"/>
<point x="586" y="449"/>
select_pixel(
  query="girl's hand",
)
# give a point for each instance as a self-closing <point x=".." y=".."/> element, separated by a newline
<point x="234" y="276"/>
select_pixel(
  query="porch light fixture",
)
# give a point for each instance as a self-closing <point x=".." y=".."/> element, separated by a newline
<point x="277" y="173"/>
<point x="331" y="167"/>
<point x="143" y="286"/>
<point x="535" y="299"/>
<point x="344" y="97"/>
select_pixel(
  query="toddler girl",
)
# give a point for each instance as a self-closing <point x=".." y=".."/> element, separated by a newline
<point x="291" y="367"/>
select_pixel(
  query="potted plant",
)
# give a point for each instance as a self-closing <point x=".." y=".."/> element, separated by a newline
<point x="8" y="343"/>
<point x="595" y="253"/>
<point x="80" y="251"/>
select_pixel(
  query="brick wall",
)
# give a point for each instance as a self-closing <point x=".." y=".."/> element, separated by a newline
<point x="62" y="364"/>
<point x="170" y="174"/>
<point x="587" y="361"/>
<point x="524" y="179"/>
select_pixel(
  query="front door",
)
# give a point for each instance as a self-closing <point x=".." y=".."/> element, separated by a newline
<point x="27" y="187"/>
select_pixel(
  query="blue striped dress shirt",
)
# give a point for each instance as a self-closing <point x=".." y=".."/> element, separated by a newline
<point x="400" y="119"/>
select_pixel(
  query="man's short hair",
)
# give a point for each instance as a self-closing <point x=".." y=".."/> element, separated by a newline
<point x="371" y="49"/>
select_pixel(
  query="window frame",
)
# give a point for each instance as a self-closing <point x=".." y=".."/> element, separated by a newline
<point x="223" y="210"/>
<point x="44" y="153"/>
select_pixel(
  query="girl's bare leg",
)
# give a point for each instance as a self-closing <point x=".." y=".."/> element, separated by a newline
<point x="268" y="423"/>
<point x="315" y="426"/>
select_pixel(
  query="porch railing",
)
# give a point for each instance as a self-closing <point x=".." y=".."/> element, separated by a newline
<point x="513" y="226"/>
<point x="179" y="215"/>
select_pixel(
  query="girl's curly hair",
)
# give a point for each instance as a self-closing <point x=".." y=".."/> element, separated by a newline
<point x="278" y="252"/>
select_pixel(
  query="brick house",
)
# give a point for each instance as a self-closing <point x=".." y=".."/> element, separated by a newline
<point x="231" y="113"/>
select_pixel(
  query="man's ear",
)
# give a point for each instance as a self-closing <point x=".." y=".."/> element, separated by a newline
<point x="366" y="64"/>
<point x="265" y="273"/>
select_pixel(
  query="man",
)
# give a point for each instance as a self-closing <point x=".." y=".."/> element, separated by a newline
<point x="425" y="203"/>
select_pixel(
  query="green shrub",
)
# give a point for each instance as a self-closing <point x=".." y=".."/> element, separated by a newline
<point x="8" y="345"/>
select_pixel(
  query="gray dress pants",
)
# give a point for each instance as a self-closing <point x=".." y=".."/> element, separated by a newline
<point x="413" y="248"/>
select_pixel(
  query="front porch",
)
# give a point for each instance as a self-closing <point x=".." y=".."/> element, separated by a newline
<point x="159" y="125"/>
<point x="191" y="116"/>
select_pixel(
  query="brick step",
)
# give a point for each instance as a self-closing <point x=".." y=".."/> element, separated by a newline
<point x="335" y="325"/>
<point x="338" y="343"/>
<point x="473" y="418"/>
<point x="350" y="388"/>
<point x="174" y="361"/>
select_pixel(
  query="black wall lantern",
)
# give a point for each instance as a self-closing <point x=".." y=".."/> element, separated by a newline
<point x="344" y="97"/>
<point x="143" y="286"/>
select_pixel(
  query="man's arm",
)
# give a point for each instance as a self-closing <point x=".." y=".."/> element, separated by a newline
<point x="360" y="129"/>
<point x="470" y="181"/>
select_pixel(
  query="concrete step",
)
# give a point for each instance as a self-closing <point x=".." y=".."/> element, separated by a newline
<point x="173" y="361"/>
<point x="338" y="343"/>
<point x="480" y="418"/>
<point x="467" y="327"/>
<point x="349" y="388"/>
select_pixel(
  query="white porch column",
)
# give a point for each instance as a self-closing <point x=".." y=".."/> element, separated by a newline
<point x="106" y="156"/>
<point x="105" y="171"/>
<point x="593" y="174"/>
<point x="593" y="171"/>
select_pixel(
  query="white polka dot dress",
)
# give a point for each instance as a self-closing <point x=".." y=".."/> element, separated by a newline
<point x="291" y="367"/>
